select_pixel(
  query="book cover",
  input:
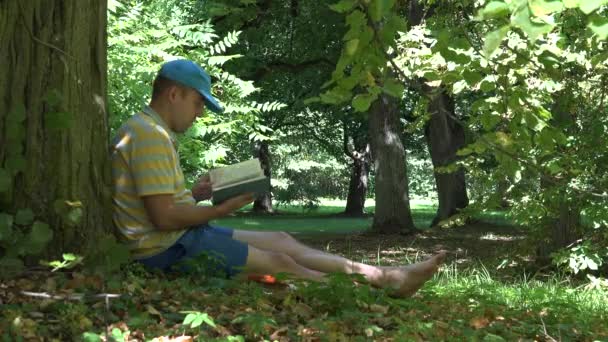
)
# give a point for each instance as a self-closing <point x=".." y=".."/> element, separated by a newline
<point x="237" y="179"/>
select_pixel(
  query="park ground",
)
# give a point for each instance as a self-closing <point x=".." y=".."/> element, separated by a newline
<point x="489" y="290"/>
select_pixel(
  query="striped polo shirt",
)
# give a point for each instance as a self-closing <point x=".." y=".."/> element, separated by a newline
<point x="145" y="162"/>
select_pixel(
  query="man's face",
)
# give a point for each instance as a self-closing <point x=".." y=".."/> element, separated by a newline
<point x="188" y="105"/>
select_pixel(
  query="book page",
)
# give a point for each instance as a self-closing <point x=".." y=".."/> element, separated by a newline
<point x="225" y="176"/>
<point x="248" y="180"/>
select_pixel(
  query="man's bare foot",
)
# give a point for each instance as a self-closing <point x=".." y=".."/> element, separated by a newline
<point x="408" y="279"/>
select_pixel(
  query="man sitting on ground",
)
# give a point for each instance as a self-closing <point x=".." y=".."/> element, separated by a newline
<point x="159" y="219"/>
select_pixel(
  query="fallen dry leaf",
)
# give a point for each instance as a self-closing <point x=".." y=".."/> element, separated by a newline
<point x="276" y="335"/>
<point x="173" y="339"/>
<point x="479" y="322"/>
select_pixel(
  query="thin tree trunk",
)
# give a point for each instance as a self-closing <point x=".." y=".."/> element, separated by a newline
<point x="445" y="137"/>
<point x="54" y="66"/>
<point x="393" y="214"/>
<point x="357" y="148"/>
<point x="263" y="204"/>
<point x="357" y="189"/>
<point x="564" y="230"/>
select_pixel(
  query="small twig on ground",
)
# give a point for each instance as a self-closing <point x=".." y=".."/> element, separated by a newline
<point x="549" y="337"/>
<point x="74" y="296"/>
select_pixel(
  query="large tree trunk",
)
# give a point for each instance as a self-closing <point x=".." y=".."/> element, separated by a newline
<point x="445" y="137"/>
<point x="54" y="66"/>
<point x="263" y="204"/>
<point x="393" y="214"/>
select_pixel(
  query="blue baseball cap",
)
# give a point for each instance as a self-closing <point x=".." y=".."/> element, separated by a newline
<point x="188" y="73"/>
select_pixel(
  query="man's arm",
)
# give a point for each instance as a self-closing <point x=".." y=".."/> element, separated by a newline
<point x="166" y="215"/>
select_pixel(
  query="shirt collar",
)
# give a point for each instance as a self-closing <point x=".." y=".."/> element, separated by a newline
<point x="154" y="115"/>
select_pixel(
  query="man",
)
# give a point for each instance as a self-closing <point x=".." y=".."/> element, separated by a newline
<point x="158" y="217"/>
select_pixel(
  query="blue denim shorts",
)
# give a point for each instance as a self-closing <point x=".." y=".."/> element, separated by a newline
<point x="204" y="248"/>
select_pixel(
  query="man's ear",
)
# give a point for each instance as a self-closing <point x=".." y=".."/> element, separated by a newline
<point x="173" y="93"/>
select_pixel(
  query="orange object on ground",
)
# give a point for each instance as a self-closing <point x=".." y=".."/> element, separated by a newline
<point x="262" y="278"/>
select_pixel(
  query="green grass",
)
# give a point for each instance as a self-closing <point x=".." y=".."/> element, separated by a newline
<point x="550" y="309"/>
<point x="295" y="219"/>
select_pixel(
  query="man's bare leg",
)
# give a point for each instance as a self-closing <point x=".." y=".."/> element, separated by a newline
<point x="270" y="262"/>
<point x="406" y="280"/>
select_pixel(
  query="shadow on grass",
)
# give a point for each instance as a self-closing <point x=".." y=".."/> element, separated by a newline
<point x="490" y="239"/>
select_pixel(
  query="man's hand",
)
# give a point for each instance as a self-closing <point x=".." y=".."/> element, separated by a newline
<point x="235" y="203"/>
<point x="202" y="189"/>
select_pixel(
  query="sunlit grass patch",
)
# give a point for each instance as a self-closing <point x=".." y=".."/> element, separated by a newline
<point x="552" y="308"/>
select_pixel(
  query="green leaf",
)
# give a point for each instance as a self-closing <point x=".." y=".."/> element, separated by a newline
<point x="69" y="257"/>
<point x="534" y="30"/>
<point x="16" y="164"/>
<point x="208" y="320"/>
<point x="91" y="337"/>
<point x="544" y="7"/>
<point x="494" y="9"/>
<point x="431" y="75"/>
<point x="588" y="6"/>
<point x="493" y="40"/>
<point x="336" y="96"/>
<point x="492" y="338"/>
<point x="544" y="114"/>
<point x="487" y="86"/>
<point x="471" y="77"/>
<point x="197" y="321"/>
<point x="24" y="217"/>
<point x="599" y="26"/>
<point x="572" y="3"/>
<point x="343" y="6"/>
<point x="5" y="180"/>
<point x="396" y="23"/>
<point x="379" y="8"/>
<point x="37" y="239"/>
<point x="489" y="121"/>
<point x="351" y="46"/>
<point x="6" y="226"/>
<point x="591" y="264"/>
<point x="362" y="102"/>
<point x="356" y="20"/>
<point x="189" y="318"/>
<point x="17" y="114"/>
<point x="394" y="88"/>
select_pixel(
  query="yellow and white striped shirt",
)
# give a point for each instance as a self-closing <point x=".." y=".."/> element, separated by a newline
<point x="145" y="162"/>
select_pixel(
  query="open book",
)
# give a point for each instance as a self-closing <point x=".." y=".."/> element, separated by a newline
<point x="237" y="179"/>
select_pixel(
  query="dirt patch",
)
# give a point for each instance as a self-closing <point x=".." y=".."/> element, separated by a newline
<point x="467" y="245"/>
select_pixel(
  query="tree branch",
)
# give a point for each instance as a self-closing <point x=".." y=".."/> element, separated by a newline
<point x="484" y="140"/>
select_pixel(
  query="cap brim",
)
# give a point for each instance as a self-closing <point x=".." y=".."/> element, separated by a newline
<point x="211" y="103"/>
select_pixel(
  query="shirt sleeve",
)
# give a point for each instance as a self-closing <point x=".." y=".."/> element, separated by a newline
<point x="153" y="163"/>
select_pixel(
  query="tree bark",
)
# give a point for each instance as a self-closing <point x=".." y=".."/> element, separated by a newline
<point x="357" y="148"/>
<point x="445" y="137"/>
<point x="54" y="56"/>
<point x="565" y="229"/>
<point x="263" y="204"/>
<point x="357" y="189"/>
<point x="393" y="214"/>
